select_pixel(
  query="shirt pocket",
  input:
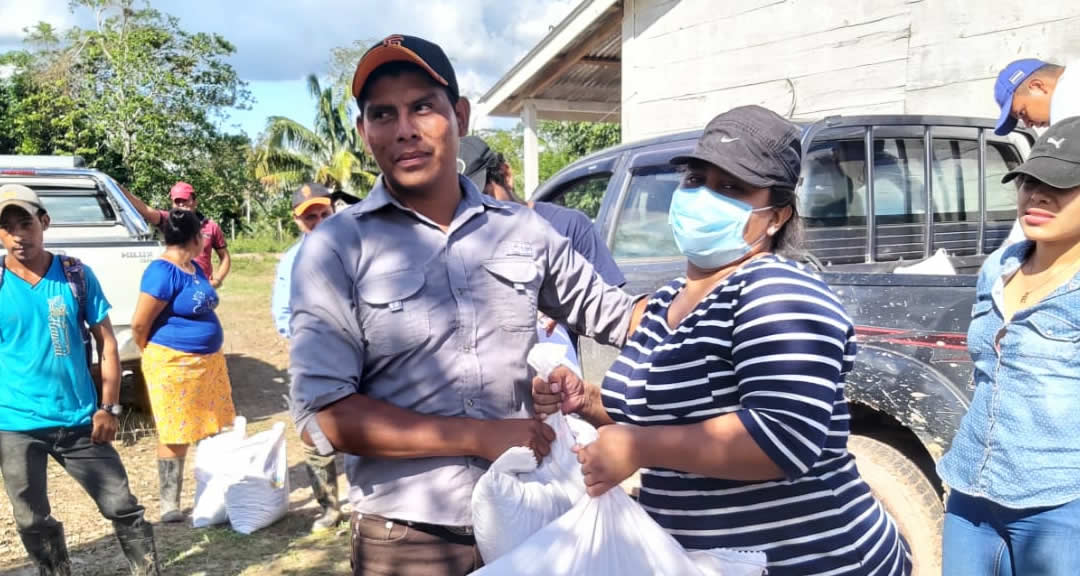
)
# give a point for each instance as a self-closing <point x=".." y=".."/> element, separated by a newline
<point x="1056" y="337"/>
<point x="510" y="288"/>
<point x="394" y="317"/>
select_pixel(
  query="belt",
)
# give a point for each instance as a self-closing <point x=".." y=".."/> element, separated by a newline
<point x="464" y="533"/>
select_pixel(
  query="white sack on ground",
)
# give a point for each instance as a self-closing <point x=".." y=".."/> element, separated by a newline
<point x="213" y="465"/>
<point x="258" y="494"/>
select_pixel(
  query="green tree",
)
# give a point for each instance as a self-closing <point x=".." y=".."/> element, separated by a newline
<point x="331" y="153"/>
<point x="137" y="96"/>
<point x="343" y="61"/>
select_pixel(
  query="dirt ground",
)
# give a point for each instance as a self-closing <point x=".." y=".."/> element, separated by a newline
<point x="257" y="360"/>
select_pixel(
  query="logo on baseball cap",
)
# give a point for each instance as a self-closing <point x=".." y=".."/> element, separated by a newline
<point x="400" y="48"/>
<point x="1008" y="81"/>
<point x="753" y="144"/>
<point x="1055" y="158"/>
<point x="308" y="195"/>
<point x="21" y="196"/>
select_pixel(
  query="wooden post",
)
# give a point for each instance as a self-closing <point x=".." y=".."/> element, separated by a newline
<point x="532" y="148"/>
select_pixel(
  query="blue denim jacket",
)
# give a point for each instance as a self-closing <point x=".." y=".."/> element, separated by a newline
<point x="1019" y="444"/>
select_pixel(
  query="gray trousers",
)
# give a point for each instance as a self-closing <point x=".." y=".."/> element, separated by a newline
<point x="96" y="467"/>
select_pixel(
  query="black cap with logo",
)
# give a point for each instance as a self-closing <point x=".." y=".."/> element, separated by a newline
<point x="401" y="48"/>
<point x="1055" y="158"/>
<point x="308" y="195"/>
<point x="753" y="144"/>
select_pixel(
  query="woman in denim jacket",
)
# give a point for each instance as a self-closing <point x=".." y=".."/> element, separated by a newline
<point x="1014" y="465"/>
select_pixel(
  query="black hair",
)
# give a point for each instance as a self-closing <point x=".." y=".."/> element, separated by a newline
<point x="788" y="239"/>
<point x="396" y="69"/>
<point x="41" y="213"/>
<point x="497" y="175"/>
<point x="180" y="227"/>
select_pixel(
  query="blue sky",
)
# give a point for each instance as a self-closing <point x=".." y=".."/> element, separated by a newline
<point x="279" y="42"/>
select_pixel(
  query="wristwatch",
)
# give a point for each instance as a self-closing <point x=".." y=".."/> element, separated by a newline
<point x="114" y="409"/>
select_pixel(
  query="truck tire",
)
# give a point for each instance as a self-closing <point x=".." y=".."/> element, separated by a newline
<point x="909" y="497"/>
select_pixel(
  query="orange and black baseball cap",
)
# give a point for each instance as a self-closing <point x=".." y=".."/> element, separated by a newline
<point x="308" y="195"/>
<point x="399" y="48"/>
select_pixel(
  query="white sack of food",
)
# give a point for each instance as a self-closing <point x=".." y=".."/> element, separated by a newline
<point x="214" y="466"/>
<point x="258" y="494"/>
<point x="515" y="498"/>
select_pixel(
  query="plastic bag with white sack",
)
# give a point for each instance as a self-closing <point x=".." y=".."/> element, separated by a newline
<point x="530" y="519"/>
<point x="612" y="536"/>
<point x="213" y="465"/>
<point x="553" y="349"/>
<point x="516" y="498"/>
<point x="258" y="494"/>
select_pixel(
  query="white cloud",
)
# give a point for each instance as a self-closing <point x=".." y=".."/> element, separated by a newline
<point x="15" y="15"/>
<point x="284" y="41"/>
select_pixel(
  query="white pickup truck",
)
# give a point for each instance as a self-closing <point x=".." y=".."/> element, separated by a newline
<point x="94" y="222"/>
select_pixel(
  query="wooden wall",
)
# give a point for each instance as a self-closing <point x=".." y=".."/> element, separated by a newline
<point x="684" y="61"/>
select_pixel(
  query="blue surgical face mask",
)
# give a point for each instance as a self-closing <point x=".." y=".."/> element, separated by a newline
<point x="709" y="226"/>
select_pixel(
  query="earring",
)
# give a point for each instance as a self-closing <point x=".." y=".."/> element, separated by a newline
<point x="771" y="231"/>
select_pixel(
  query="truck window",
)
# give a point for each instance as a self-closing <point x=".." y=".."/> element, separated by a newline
<point x="642" y="229"/>
<point x="82" y="207"/>
<point x="586" y="194"/>
<point x="956" y="194"/>
<point x="956" y="182"/>
<point x="835" y="182"/>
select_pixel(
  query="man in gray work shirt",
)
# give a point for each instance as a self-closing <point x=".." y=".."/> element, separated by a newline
<point x="413" y="313"/>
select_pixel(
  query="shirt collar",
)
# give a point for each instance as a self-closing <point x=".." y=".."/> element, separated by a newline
<point x="472" y="200"/>
<point x="1012" y="258"/>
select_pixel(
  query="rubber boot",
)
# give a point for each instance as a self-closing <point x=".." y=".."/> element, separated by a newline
<point x="170" y="483"/>
<point x="324" y="487"/>
<point x="139" y="548"/>
<point x="48" y="550"/>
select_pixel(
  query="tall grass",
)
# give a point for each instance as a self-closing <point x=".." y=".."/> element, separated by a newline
<point x="261" y="242"/>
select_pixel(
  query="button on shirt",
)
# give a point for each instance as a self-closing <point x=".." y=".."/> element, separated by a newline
<point x="1017" y="443"/>
<point x="388" y="305"/>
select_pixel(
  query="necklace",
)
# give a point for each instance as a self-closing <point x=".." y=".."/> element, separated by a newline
<point x="1049" y="281"/>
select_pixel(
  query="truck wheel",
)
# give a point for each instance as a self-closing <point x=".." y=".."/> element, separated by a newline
<point x="909" y="497"/>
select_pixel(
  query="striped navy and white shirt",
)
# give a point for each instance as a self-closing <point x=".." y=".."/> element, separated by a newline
<point x="771" y="344"/>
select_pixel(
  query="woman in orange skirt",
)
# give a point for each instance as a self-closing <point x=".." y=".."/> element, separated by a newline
<point x="182" y="362"/>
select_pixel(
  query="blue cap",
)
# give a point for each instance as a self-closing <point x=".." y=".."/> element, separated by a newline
<point x="1007" y="82"/>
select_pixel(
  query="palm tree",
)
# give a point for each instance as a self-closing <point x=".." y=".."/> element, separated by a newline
<point x="330" y="154"/>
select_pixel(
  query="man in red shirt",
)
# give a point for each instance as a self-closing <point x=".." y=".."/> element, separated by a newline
<point x="183" y="197"/>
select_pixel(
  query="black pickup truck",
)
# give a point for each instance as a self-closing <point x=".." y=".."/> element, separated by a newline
<point x="911" y="383"/>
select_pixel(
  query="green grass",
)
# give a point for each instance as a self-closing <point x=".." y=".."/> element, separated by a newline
<point x="251" y="276"/>
<point x="260" y="242"/>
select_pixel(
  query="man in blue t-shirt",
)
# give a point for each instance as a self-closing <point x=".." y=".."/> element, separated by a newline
<point x="48" y="404"/>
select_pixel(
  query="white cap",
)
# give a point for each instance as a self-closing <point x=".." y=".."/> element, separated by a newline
<point x="21" y="196"/>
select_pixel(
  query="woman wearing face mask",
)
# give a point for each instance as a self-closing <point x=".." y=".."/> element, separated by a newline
<point x="1014" y="464"/>
<point x="730" y="394"/>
